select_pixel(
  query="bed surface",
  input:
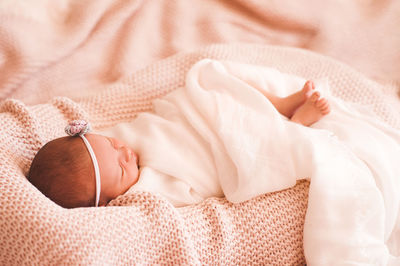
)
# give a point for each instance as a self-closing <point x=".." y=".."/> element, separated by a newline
<point x="112" y="58"/>
<point x="75" y="48"/>
<point x="212" y="232"/>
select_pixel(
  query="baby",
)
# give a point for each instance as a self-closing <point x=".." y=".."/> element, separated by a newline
<point x="83" y="170"/>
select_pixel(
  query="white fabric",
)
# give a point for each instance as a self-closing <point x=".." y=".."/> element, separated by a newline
<point x="220" y="136"/>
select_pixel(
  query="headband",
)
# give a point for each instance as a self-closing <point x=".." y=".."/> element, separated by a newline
<point x="80" y="128"/>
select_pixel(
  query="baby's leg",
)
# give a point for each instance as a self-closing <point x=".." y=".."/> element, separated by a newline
<point x="288" y="105"/>
<point x="312" y="110"/>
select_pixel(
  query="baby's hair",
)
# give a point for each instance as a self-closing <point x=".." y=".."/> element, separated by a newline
<point x="63" y="171"/>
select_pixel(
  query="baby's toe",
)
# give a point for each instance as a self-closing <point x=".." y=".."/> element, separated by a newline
<point x="326" y="112"/>
<point x="308" y="84"/>
<point x="326" y="109"/>
<point x="308" y="88"/>
<point x="315" y="96"/>
<point x="312" y="84"/>
<point x="321" y="102"/>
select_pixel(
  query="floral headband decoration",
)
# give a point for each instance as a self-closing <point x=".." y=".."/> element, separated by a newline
<point x="80" y="128"/>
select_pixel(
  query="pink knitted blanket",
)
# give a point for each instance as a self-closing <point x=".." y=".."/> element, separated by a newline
<point x="143" y="228"/>
<point x="70" y="48"/>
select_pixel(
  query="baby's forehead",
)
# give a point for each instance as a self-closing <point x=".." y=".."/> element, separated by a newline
<point x="103" y="149"/>
<point x="99" y="141"/>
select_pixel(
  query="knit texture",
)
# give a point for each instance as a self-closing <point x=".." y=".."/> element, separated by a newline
<point x="70" y="47"/>
<point x="143" y="228"/>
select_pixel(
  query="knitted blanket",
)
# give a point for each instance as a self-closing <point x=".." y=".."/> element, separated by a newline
<point x="143" y="228"/>
<point x="70" y="48"/>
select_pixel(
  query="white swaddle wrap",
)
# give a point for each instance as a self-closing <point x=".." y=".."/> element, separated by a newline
<point x="220" y="136"/>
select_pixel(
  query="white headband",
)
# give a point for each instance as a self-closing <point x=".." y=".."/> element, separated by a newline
<point x="80" y="128"/>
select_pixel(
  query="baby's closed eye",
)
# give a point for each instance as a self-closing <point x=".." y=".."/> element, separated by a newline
<point x="122" y="171"/>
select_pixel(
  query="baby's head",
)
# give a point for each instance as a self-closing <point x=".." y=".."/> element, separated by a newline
<point x="64" y="171"/>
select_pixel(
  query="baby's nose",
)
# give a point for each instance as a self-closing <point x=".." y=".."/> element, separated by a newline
<point x="127" y="153"/>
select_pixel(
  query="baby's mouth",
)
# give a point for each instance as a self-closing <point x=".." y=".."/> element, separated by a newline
<point x="132" y="155"/>
<point x="137" y="159"/>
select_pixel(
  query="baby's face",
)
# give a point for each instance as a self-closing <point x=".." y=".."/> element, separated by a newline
<point x="118" y="166"/>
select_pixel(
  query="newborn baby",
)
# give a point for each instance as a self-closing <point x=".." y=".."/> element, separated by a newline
<point x="63" y="170"/>
<point x="83" y="170"/>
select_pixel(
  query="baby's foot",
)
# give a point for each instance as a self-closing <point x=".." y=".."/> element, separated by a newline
<point x="288" y="105"/>
<point x="313" y="109"/>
